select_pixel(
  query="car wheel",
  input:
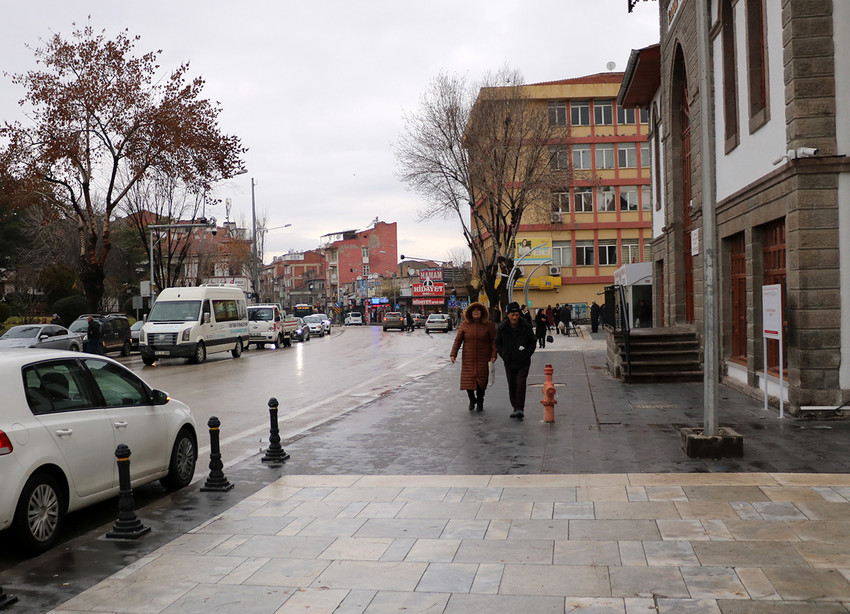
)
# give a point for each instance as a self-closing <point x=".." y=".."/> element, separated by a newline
<point x="237" y="351"/>
<point x="181" y="467"/>
<point x="125" y="349"/>
<point x="287" y="341"/>
<point x="40" y="513"/>
<point x="74" y="347"/>
<point x="200" y="353"/>
<point x="148" y="360"/>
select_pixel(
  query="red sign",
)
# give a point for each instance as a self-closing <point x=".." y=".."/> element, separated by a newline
<point x="432" y="274"/>
<point x="428" y="301"/>
<point x="429" y="289"/>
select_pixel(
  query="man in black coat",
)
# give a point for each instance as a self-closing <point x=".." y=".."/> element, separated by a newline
<point x="515" y="342"/>
<point x="93" y="342"/>
<point x="594" y="317"/>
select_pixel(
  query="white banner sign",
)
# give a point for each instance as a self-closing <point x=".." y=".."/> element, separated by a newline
<point x="771" y="297"/>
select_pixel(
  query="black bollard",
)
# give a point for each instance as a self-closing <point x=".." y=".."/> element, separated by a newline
<point x="127" y="526"/>
<point x="216" y="482"/>
<point x="6" y="600"/>
<point x="275" y="453"/>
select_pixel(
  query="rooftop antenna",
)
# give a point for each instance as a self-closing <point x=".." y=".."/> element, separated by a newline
<point x="611" y="65"/>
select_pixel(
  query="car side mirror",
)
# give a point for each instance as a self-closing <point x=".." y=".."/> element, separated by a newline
<point x="43" y="336"/>
<point x="160" y="397"/>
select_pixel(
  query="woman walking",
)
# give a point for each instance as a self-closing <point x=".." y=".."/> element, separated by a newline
<point x="477" y="335"/>
<point x="541" y="327"/>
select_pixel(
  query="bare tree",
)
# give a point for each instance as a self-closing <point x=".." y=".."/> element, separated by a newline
<point x="480" y="154"/>
<point x="97" y="109"/>
<point x="459" y="256"/>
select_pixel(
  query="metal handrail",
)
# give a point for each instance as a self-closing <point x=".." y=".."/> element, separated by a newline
<point x="620" y="312"/>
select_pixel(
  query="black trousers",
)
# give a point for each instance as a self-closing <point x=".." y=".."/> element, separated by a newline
<point x="477" y="395"/>
<point x="517" y="377"/>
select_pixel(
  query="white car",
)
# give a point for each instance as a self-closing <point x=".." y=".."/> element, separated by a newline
<point x="438" y="321"/>
<point x="314" y="323"/>
<point x="326" y="322"/>
<point x="353" y="318"/>
<point x="64" y="414"/>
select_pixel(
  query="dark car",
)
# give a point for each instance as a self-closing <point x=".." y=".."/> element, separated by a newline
<point x="302" y="333"/>
<point x="394" y="319"/>
<point x="115" y="335"/>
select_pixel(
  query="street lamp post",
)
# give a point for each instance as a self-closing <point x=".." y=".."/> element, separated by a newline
<point x="515" y="270"/>
<point x="211" y="223"/>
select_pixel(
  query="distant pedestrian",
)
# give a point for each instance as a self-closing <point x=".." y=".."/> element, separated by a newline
<point x="594" y="317"/>
<point x="566" y="319"/>
<point x="57" y="320"/>
<point x="477" y="335"/>
<point x="550" y="317"/>
<point x="93" y="343"/>
<point x="525" y="313"/>
<point x="556" y="314"/>
<point x="541" y="328"/>
<point x="515" y="344"/>
<point x="409" y="321"/>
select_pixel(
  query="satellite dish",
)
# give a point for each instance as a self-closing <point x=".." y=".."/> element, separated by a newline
<point x="611" y="65"/>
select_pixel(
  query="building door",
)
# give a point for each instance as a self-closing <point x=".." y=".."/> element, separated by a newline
<point x="738" y="289"/>
<point x="773" y="245"/>
<point x="687" y="195"/>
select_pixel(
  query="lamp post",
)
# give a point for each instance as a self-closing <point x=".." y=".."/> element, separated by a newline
<point x="515" y="270"/>
<point x="211" y="223"/>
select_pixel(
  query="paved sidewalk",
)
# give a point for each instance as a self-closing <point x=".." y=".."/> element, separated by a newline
<point x="413" y="503"/>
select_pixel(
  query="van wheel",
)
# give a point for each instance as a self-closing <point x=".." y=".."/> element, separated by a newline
<point x="237" y="351"/>
<point x="125" y="349"/>
<point x="40" y="513"/>
<point x="200" y="353"/>
<point x="148" y="360"/>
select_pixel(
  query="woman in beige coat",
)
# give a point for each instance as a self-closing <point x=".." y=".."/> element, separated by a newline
<point x="477" y="335"/>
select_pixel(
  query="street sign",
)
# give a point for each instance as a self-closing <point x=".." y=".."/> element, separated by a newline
<point x="464" y="305"/>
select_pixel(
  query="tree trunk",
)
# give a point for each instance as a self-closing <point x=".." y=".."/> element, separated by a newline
<point x="92" y="277"/>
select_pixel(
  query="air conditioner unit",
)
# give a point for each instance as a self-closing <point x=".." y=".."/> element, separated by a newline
<point x="557" y="217"/>
<point x="555" y="271"/>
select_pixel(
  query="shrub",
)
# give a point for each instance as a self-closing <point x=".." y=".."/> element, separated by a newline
<point x="70" y="308"/>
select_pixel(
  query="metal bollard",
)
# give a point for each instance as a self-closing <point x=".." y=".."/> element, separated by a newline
<point x="274" y="453"/>
<point x="216" y="481"/>
<point x="6" y="600"/>
<point x="548" y="401"/>
<point x="127" y="526"/>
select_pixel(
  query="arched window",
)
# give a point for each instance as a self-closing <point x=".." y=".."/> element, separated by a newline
<point x="730" y="82"/>
<point x="757" y="64"/>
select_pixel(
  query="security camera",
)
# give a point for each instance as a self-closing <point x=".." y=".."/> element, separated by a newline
<point x="214" y="231"/>
<point x="807" y="152"/>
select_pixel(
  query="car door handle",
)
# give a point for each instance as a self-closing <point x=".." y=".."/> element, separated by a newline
<point x="64" y="432"/>
<point x="120" y="424"/>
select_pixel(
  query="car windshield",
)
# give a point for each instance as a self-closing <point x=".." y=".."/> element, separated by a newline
<point x="436" y="317"/>
<point x="322" y="316"/>
<point x="354" y="315"/>
<point x="22" y="332"/>
<point x="313" y="319"/>
<point x="79" y="326"/>
<point x="175" y="311"/>
<point x="261" y="314"/>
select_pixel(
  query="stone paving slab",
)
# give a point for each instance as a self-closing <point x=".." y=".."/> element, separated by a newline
<point x="398" y="553"/>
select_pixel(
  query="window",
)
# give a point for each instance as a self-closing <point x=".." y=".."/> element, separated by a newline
<point x="631" y="251"/>
<point x="56" y="386"/>
<point x="605" y="155"/>
<point x="647" y="250"/>
<point x="738" y="290"/>
<point x="646" y="198"/>
<point x="365" y="252"/>
<point x="603" y="112"/>
<point x="644" y="116"/>
<point x="607" y="253"/>
<point x="225" y="310"/>
<point x="644" y="155"/>
<point x="118" y="387"/>
<point x="625" y="116"/>
<point x="584" y="253"/>
<point x="560" y="202"/>
<point x="605" y="198"/>
<point x="730" y="84"/>
<point x="756" y="63"/>
<point x="366" y="270"/>
<point x="580" y="113"/>
<point x="562" y="253"/>
<point x="627" y="155"/>
<point x="628" y="198"/>
<point x="583" y="200"/>
<point x="581" y="157"/>
<point x="558" y="113"/>
<point x="559" y="158"/>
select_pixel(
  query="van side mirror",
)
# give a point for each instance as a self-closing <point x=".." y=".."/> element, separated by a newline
<point x="206" y="317"/>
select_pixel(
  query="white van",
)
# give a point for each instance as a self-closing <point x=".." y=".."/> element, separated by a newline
<point x="191" y="322"/>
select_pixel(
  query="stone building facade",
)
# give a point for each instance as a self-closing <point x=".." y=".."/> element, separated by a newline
<point x="779" y="75"/>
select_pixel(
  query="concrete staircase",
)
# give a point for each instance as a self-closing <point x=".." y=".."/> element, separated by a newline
<point x="670" y="354"/>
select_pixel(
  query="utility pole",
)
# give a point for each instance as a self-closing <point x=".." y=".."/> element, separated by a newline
<point x="255" y="276"/>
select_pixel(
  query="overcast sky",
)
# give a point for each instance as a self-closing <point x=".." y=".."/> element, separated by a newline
<point x="316" y="90"/>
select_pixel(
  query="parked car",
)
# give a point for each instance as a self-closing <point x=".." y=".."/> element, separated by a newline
<point x="394" y="319"/>
<point x="418" y="320"/>
<point x="115" y="334"/>
<point x="302" y="333"/>
<point x="438" y="321"/>
<point x="314" y="322"/>
<point x="63" y="416"/>
<point x="353" y="318"/>
<point x="134" y="334"/>
<point x="326" y="322"/>
<point x="41" y="336"/>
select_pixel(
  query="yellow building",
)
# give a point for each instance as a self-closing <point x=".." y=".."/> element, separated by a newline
<point x="599" y="214"/>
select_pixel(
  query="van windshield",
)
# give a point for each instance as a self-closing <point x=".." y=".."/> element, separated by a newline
<point x="175" y="311"/>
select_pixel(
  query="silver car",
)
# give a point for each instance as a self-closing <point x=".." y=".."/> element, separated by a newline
<point x="42" y="336"/>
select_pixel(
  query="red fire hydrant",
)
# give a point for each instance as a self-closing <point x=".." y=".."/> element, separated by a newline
<point x="548" y="401"/>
